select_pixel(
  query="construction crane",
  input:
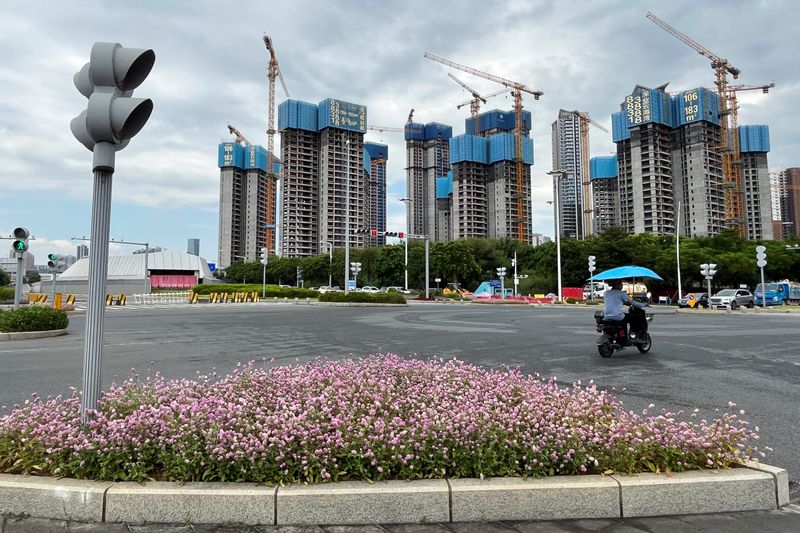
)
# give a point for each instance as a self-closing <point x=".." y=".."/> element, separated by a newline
<point x="731" y="168"/>
<point x="240" y="139"/>
<point x="475" y="101"/>
<point x="585" y="120"/>
<point x="411" y="115"/>
<point x="386" y="128"/>
<point x="273" y="73"/>
<point x="517" y="89"/>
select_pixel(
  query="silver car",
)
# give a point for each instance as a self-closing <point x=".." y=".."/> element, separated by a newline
<point x="735" y="298"/>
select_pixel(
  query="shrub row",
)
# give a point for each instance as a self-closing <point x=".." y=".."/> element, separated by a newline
<point x="272" y="291"/>
<point x="6" y="293"/>
<point x="33" y="318"/>
<point x="364" y="297"/>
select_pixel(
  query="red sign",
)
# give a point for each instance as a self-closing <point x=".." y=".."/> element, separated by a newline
<point x="374" y="233"/>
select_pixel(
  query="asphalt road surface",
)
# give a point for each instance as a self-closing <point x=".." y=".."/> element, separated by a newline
<point x="697" y="360"/>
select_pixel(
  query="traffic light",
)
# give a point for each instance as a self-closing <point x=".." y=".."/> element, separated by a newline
<point x="707" y="270"/>
<point x="398" y="234"/>
<point x="57" y="262"/>
<point x="592" y="268"/>
<point x="108" y="81"/>
<point x="264" y="256"/>
<point x="761" y="256"/>
<point x="374" y="233"/>
<point x="20" y="244"/>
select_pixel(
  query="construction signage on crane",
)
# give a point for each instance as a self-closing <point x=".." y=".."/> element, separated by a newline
<point x="517" y="89"/>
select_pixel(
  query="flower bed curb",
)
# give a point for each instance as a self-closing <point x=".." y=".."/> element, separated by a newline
<point x="31" y="334"/>
<point x="752" y="487"/>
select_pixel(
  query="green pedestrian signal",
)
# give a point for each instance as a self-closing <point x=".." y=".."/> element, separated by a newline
<point x="20" y="246"/>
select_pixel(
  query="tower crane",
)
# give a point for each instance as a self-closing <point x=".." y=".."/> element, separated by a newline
<point x="731" y="168"/>
<point x="517" y="89"/>
<point x="240" y="139"/>
<point x="273" y="73"/>
<point x="584" y="121"/>
<point x="411" y="115"/>
<point x="475" y="101"/>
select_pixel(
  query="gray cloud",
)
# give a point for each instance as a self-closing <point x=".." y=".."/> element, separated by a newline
<point x="211" y="71"/>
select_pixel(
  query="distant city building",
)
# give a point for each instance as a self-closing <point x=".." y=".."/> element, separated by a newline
<point x="538" y="238"/>
<point x="82" y="251"/>
<point x="427" y="160"/>
<point x="484" y="186"/>
<point x="375" y="157"/>
<point x="605" y="192"/>
<point x="570" y="154"/>
<point x="325" y="181"/>
<point x="785" y="188"/>
<point x="668" y="158"/>
<point x="247" y="202"/>
<point x="193" y="247"/>
<point x="444" y="208"/>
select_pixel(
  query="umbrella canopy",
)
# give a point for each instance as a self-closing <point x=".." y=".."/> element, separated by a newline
<point x="630" y="271"/>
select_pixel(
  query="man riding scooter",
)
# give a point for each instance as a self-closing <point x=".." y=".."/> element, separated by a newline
<point x="614" y="300"/>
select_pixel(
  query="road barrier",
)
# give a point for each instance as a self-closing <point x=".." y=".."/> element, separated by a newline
<point x="118" y="299"/>
<point x="173" y="297"/>
<point x="234" y="297"/>
<point x="37" y="298"/>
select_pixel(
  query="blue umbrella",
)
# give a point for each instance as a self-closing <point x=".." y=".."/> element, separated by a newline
<point x="630" y="271"/>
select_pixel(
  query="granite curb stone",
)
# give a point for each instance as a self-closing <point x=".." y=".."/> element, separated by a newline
<point x="47" y="497"/>
<point x="200" y="503"/>
<point x="695" y="492"/>
<point x="781" y="477"/>
<point x="360" y="502"/>
<point x="550" y="498"/>
<point x="20" y="335"/>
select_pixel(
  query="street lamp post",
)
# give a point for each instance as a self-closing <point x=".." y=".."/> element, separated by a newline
<point x="347" y="220"/>
<point x="407" y="201"/>
<point x="561" y="174"/>
<point x="330" y="261"/>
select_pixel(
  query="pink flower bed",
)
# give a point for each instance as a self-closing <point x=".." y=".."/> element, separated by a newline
<point x="383" y="417"/>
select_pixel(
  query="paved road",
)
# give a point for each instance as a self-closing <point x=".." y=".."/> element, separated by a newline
<point x="699" y="360"/>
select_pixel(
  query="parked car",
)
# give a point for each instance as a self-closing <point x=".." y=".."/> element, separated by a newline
<point x="401" y="290"/>
<point x="735" y="298"/>
<point x="326" y="288"/>
<point x="694" y="300"/>
<point x="370" y="288"/>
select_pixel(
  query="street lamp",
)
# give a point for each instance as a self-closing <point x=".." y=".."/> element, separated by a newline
<point x="557" y="185"/>
<point x="347" y="220"/>
<point x="407" y="201"/>
<point x="501" y="271"/>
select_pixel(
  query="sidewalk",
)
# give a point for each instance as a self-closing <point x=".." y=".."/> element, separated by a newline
<point x="786" y="520"/>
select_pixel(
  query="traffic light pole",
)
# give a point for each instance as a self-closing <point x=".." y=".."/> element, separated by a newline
<point x="98" y="276"/>
<point x="20" y="276"/>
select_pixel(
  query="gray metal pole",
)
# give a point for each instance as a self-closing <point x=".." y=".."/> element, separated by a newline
<point x="55" y="271"/>
<point x="20" y="276"/>
<point x="427" y="267"/>
<point x="98" y="275"/>
<point x="558" y="235"/>
<point x="763" y="290"/>
<point x="678" y="251"/>
<point x="330" y="264"/>
<point x="347" y="221"/>
<point x="146" y="266"/>
<point x="406" y="263"/>
<point x="264" y="282"/>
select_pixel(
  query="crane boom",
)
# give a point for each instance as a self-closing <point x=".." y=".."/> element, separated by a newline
<point x="238" y="135"/>
<point x="490" y="95"/>
<point x="517" y="89"/>
<point x="474" y="93"/>
<point x="716" y="61"/>
<point x="386" y="128"/>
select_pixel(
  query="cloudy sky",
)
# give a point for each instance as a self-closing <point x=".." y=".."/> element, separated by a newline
<point x="211" y="70"/>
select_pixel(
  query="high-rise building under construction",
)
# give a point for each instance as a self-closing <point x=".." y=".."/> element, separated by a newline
<point x="324" y="180"/>
<point x="427" y="159"/>
<point x="375" y="157"/>
<point x="484" y="185"/>
<point x="246" y="202"/>
<point x="570" y="151"/>
<point x="670" y="165"/>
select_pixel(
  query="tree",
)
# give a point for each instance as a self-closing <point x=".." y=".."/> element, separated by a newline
<point x="453" y="260"/>
<point x="4" y="278"/>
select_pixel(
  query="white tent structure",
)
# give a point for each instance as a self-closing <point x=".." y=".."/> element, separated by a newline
<point x="126" y="273"/>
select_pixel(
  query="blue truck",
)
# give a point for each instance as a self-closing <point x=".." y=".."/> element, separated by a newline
<point x="778" y="293"/>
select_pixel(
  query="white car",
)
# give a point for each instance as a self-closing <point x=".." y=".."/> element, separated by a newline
<point x="370" y="288"/>
<point x="401" y="290"/>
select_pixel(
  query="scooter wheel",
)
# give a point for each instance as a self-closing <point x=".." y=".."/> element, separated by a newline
<point x="605" y="349"/>
<point x="645" y="346"/>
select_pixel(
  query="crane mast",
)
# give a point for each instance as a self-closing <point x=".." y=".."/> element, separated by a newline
<point x="273" y="73"/>
<point x="517" y="89"/>
<point x="731" y="167"/>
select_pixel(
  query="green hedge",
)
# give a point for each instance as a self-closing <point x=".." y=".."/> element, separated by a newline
<point x="6" y="293"/>
<point x="273" y="291"/>
<point x="33" y="318"/>
<point x="363" y="297"/>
